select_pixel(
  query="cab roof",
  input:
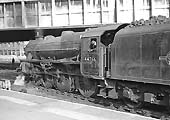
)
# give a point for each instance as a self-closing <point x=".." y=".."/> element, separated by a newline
<point x="100" y="30"/>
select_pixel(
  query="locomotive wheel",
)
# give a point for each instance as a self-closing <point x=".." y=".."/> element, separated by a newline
<point x="39" y="81"/>
<point x="87" y="87"/>
<point x="55" y="81"/>
<point x="64" y="84"/>
<point x="48" y="83"/>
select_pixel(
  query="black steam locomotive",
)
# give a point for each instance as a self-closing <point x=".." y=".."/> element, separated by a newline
<point x="122" y="61"/>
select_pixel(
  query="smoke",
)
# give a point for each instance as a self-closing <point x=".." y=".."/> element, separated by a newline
<point x="19" y="80"/>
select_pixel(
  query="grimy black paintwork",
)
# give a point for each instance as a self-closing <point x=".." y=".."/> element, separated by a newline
<point x="113" y="60"/>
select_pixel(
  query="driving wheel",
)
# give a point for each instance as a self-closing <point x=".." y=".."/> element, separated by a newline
<point x="87" y="87"/>
<point x="64" y="84"/>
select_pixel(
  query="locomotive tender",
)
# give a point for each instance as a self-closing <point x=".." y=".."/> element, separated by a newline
<point x="114" y="61"/>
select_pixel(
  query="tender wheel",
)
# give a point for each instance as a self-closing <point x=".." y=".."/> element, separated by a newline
<point x="131" y="96"/>
<point x="133" y="99"/>
<point x="87" y="87"/>
<point x="64" y="84"/>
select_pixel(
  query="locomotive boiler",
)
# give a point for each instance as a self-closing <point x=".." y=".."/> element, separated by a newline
<point x="66" y="46"/>
<point x="120" y="61"/>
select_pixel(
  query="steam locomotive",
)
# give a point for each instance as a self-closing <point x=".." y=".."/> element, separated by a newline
<point x="120" y="61"/>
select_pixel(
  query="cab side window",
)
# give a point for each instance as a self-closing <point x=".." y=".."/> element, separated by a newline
<point x="93" y="43"/>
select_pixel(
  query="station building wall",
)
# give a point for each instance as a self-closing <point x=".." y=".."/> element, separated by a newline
<point x="51" y="13"/>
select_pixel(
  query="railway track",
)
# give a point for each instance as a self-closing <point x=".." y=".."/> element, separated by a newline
<point x="148" y="110"/>
<point x="30" y="88"/>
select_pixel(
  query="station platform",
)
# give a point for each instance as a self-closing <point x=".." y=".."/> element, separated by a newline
<point x="24" y="106"/>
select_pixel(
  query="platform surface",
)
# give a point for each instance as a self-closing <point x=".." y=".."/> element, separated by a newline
<point x="21" y="106"/>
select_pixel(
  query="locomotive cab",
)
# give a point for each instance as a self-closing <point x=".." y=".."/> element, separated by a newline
<point x="91" y="66"/>
<point x="95" y="44"/>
